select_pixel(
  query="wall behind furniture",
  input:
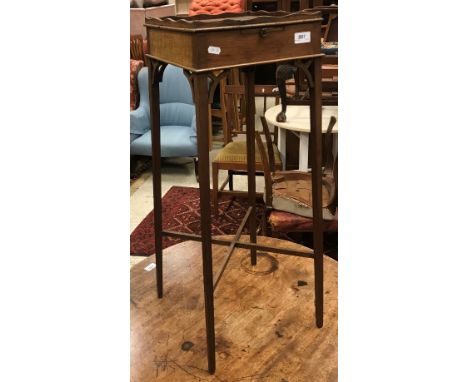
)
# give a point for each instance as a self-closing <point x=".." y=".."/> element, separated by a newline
<point x="137" y="16"/>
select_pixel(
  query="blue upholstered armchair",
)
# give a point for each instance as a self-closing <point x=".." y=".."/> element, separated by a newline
<point x="178" y="129"/>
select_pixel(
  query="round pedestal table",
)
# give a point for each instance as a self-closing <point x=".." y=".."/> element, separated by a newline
<point x="265" y="324"/>
<point x="298" y="121"/>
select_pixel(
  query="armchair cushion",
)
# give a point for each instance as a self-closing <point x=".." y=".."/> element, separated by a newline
<point x="177" y="113"/>
<point x="179" y="141"/>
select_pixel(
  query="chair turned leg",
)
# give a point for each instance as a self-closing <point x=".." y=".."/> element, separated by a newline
<point x="231" y="180"/>
<point x="195" y="162"/>
<point x="215" y="188"/>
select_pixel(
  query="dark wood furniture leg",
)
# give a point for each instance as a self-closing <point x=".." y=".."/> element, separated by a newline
<point x="200" y="91"/>
<point x="231" y="182"/>
<point x="315" y="152"/>
<point x="156" y="70"/>
<point x="249" y="73"/>
<point x="195" y="163"/>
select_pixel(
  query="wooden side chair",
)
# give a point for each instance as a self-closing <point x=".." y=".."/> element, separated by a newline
<point x="288" y="194"/>
<point x="330" y="61"/>
<point x="330" y="30"/>
<point x="233" y="156"/>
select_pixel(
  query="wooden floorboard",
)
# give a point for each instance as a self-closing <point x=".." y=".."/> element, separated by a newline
<point x="265" y="325"/>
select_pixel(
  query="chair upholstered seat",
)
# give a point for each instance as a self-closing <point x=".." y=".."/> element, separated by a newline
<point x="179" y="141"/>
<point x="281" y="221"/>
<point x="292" y="192"/>
<point x="236" y="151"/>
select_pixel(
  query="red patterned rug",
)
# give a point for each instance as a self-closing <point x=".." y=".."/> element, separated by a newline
<point x="181" y="212"/>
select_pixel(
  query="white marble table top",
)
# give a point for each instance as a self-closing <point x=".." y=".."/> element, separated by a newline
<point x="298" y="117"/>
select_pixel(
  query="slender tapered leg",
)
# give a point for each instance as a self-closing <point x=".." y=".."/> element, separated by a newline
<point x="156" y="70"/>
<point x="250" y="123"/>
<point x="315" y="152"/>
<point x="200" y="91"/>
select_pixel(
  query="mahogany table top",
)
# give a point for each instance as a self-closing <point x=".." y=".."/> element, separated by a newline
<point x="205" y="43"/>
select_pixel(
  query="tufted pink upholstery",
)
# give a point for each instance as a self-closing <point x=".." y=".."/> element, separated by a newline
<point x="214" y="7"/>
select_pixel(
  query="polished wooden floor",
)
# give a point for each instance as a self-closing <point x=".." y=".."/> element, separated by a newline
<point x="265" y="327"/>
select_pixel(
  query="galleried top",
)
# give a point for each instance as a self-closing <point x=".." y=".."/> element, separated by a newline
<point x="227" y="21"/>
<point x="213" y="42"/>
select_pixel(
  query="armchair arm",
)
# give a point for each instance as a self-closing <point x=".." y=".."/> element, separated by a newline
<point x="140" y="121"/>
